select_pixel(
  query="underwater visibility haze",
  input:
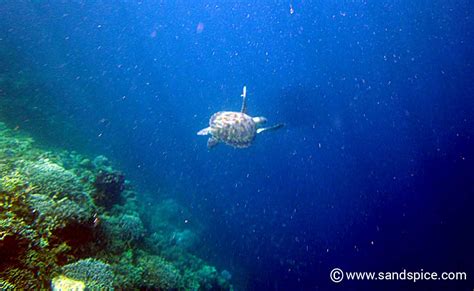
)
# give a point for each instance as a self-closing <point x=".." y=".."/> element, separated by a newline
<point x="105" y="183"/>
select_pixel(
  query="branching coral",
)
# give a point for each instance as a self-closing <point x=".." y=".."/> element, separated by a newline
<point x="58" y="213"/>
<point x="5" y="285"/>
<point x="27" y="280"/>
<point x="11" y="144"/>
<point x="51" y="179"/>
<point x="159" y="273"/>
<point x="13" y="182"/>
<point x="16" y="227"/>
<point x="122" y="231"/>
<point x="96" y="274"/>
<point x="131" y="227"/>
<point x="127" y="275"/>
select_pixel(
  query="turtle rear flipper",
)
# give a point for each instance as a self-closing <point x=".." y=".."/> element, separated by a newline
<point x="212" y="142"/>
<point x="278" y="126"/>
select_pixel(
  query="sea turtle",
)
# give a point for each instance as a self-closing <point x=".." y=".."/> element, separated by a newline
<point x="236" y="129"/>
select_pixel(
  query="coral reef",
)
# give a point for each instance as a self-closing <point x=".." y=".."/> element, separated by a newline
<point x="70" y="221"/>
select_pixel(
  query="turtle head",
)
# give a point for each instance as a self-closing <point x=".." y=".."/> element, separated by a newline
<point x="259" y="121"/>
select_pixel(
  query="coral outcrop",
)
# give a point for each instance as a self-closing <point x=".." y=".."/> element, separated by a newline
<point x="109" y="185"/>
<point x="95" y="274"/>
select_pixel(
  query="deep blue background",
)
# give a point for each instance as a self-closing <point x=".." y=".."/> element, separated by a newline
<point x="374" y="170"/>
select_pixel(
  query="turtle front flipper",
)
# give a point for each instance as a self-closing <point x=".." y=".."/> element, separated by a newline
<point x="212" y="142"/>
<point x="244" y="100"/>
<point x="204" y="131"/>
<point x="275" y="127"/>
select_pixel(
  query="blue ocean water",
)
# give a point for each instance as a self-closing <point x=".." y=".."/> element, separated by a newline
<point x="373" y="171"/>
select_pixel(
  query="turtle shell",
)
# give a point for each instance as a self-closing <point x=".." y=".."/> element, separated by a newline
<point x="233" y="128"/>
